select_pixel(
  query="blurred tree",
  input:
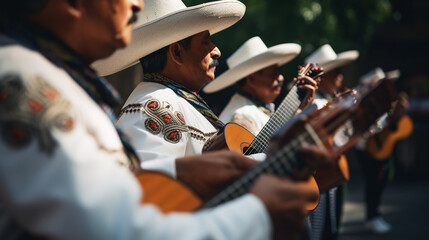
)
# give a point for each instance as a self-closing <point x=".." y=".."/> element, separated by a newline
<point x="345" y="25"/>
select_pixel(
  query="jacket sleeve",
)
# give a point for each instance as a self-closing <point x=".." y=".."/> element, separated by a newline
<point x="59" y="180"/>
<point x="61" y="198"/>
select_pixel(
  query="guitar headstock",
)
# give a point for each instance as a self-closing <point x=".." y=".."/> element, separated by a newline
<point x="349" y="117"/>
<point x="312" y="70"/>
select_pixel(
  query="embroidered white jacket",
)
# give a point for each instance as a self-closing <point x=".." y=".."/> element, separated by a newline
<point x="243" y="111"/>
<point x="163" y="126"/>
<point x="63" y="179"/>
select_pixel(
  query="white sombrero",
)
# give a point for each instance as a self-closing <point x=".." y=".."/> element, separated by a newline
<point x="251" y="57"/>
<point x="163" y="22"/>
<point x="372" y="76"/>
<point x="376" y="74"/>
<point x="326" y="57"/>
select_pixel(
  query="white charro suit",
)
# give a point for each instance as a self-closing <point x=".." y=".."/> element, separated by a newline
<point x="62" y="173"/>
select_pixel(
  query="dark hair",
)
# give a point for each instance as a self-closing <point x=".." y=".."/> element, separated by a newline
<point x="13" y="8"/>
<point x="155" y="62"/>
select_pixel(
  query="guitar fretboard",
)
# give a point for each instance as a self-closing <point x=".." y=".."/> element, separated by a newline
<point x="284" y="113"/>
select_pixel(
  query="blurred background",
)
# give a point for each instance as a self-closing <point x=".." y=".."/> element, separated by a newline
<point x="391" y="34"/>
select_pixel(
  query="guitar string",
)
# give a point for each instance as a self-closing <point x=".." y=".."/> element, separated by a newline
<point x="282" y="114"/>
<point x="262" y="142"/>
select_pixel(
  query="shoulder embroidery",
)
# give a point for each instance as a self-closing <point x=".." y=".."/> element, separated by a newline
<point x="162" y="119"/>
<point x="246" y="122"/>
<point x="31" y="111"/>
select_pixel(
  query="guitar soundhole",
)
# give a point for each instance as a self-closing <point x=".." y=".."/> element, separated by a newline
<point x="249" y="150"/>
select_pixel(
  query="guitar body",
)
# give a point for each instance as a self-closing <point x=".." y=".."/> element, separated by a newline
<point x="168" y="194"/>
<point x="237" y="138"/>
<point x="380" y="145"/>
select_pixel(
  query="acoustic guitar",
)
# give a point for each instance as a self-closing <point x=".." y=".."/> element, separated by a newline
<point x="381" y="144"/>
<point x="237" y="138"/>
<point x="284" y="157"/>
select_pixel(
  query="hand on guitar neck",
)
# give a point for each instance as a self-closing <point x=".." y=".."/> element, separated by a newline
<point x="308" y="79"/>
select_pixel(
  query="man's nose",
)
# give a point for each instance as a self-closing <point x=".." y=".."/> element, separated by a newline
<point x="215" y="53"/>
<point x="137" y="5"/>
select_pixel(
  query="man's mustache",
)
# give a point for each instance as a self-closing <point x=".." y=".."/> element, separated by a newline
<point x="133" y="18"/>
<point x="214" y="63"/>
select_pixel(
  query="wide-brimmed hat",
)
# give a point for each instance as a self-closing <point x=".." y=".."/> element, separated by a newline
<point x="163" y="22"/>
<point x="251" y="57"/>
<point x="376" y="74"/>
<point x="326" y="57"/>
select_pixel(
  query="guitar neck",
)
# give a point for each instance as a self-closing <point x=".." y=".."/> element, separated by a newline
<point x="281" y="164"/>
<point x="284" y="113"/>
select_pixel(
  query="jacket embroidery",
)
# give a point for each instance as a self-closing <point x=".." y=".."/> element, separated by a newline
<point x="163" y="119"/>
<point x="31" y="111"/>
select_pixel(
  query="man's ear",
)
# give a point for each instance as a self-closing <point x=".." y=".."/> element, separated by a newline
<point x="175" y="51"/>
<point x="251" y="80"/>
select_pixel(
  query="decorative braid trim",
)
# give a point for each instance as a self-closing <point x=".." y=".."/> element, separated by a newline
<point x="132" y="108"/>
<point x="162" y="119"/>
<point x="200" y="135"/>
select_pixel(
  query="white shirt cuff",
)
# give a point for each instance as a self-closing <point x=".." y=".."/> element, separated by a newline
<point x="166" y="165"/>
<point x="258" y="156"/>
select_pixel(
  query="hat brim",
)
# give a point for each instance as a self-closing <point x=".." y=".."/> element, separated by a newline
<point x="276" y="55"/>
<point x="158" y="33"/>
<point x="342" y="59"/>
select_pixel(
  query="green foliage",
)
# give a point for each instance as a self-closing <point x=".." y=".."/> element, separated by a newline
<point x="345" y="24"/>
